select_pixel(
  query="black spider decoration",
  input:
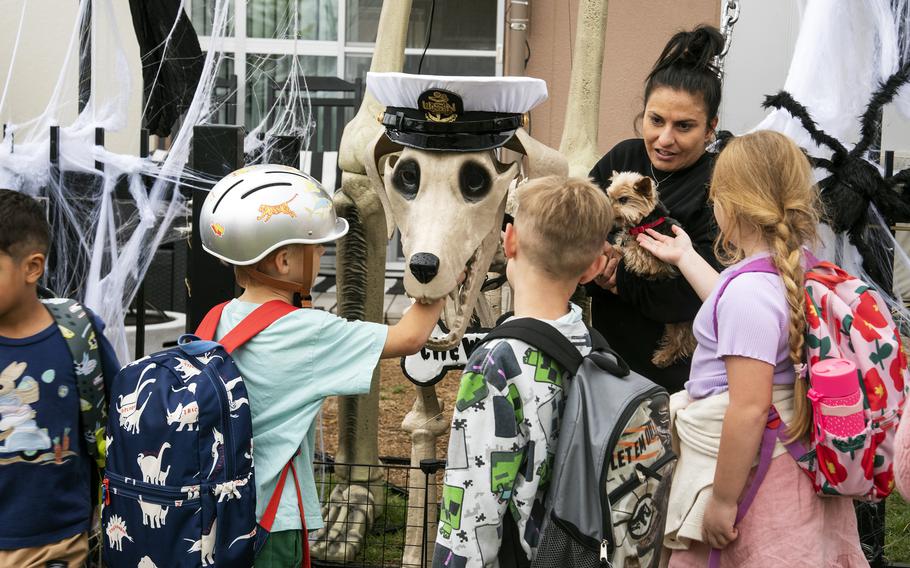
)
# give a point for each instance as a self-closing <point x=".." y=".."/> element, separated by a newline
<point x="854" y="182"/>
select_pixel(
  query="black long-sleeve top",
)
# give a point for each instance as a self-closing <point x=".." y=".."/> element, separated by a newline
<point x="633" y="320"/>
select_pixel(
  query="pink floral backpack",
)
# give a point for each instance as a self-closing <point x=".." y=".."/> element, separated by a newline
<point x="847" y="319"/>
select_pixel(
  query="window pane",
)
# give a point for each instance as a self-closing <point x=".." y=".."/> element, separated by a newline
<point x="266" y="74"/>
<point x="224" y="92"/>
<point x="451" y="65"/>
<point x="316" y="19"/>
<point x="202" y="14"/>
<point x="461" y="24"/>
<point x="357" y="65"/>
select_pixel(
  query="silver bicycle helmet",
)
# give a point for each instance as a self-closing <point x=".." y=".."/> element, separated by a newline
<point x="255" y="210"/>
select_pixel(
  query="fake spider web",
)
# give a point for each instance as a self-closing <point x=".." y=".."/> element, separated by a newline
<point x="109" y="212"/>
<point x="843" y="53"/>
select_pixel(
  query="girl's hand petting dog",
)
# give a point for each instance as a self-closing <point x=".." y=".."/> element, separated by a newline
<point x="666" y="248"/>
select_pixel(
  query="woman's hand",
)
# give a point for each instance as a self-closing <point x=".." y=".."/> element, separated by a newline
<point x="607" y="278"/>
<point x="666" y="248"/>
<point x="717" y="525"/>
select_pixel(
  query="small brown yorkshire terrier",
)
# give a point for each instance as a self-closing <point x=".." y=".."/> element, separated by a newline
<point x="636" y="207"/>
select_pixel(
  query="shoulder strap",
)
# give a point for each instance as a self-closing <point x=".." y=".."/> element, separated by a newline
<point x="82" y="343"/>
<point x="260" y="318"/>
<point x="271" y="510"/>
<point x="759" y="265"/>
<point x="543" y="336"/>
<point x="206" y="329"/>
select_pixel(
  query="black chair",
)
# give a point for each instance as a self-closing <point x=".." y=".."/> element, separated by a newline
<point x="333" y="103"/>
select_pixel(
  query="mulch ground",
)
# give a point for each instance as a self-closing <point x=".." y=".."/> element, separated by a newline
<point x="396" y="396"/>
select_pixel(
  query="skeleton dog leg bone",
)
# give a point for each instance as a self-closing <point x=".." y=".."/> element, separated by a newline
<point x="425" y="424"/>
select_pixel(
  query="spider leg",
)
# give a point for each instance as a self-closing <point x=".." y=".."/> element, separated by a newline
<point x="870" y="119"/>
<point x="784" y="100"/>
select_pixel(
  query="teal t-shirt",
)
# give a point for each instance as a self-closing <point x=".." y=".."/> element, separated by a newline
<point x="288" y="370"/>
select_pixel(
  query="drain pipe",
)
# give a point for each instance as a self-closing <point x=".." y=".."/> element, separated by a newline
<point x="518" y="14"/>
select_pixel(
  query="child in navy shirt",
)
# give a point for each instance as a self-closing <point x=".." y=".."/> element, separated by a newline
<point x="45" y="469"/>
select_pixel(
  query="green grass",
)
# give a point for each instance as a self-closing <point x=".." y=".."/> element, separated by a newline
<point x="384" y="545"/>
<point x="897" y="529"/>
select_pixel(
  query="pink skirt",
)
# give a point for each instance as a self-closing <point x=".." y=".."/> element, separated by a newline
<point x="787" y="525"/>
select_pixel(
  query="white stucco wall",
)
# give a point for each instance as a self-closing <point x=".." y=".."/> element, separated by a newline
<point x="44" y="41"/>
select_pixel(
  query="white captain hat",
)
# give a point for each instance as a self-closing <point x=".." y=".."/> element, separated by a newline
<point x="454" y="114"/>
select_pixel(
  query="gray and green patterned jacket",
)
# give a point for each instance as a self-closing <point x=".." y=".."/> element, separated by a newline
<point x="504" y="431"/>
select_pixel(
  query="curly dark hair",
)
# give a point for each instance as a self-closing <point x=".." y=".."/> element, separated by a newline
<point x="23" y="225"/>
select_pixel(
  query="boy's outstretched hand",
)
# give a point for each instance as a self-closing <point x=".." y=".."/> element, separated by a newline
<point x="666" y="248"/>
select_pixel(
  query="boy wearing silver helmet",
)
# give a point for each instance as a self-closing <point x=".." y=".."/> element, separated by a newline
<point x="270" y="223"/>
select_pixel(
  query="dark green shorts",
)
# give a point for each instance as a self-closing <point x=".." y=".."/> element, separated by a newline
<point x="283" y="549"/>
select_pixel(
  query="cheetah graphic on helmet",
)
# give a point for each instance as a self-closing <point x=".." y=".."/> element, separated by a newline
<point x="266" y="212"/>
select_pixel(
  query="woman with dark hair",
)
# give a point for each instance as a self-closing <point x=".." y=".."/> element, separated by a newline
<point x="681" y="99"/>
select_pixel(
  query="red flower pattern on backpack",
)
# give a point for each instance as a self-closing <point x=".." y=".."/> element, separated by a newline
<point x="868" y="309"/>
<point x="868" y="462"/>
<point x="812" y="313"/>
<point x="884" y="481"/>
<point x="865" y="328"/>
<point x="827" y="460"/>
<point x="876" y="393"/>
<point x="899" y="367"/>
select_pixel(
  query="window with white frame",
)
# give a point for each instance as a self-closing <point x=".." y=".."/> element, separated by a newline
<point x="336" y="38"/>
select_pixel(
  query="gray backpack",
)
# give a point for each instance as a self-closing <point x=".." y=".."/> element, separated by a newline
<point x="607" y="502"/>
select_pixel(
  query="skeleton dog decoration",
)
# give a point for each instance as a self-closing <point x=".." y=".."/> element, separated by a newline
<point x="436" y="172"/>
<point x="441" y="183"/>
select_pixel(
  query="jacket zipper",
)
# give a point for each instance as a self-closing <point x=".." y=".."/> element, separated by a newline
<point x="159" y="495"/>
<point x="607" y="512"/>
<point x="225" y="424"/>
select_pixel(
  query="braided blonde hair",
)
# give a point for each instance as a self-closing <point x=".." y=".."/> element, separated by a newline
<point x="762" y="183"/>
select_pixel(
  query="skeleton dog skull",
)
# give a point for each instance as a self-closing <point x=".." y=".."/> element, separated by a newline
<point x="436" y="171"/>
<point x="449" y="208"/>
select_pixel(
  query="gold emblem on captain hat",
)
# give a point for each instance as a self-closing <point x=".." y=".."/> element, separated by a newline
<point x="440" y="106"/>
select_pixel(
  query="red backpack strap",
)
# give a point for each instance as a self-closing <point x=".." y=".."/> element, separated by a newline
<point x="260" y="318"/>
<point x="268" y="518"/>
<point x="303" y="532"/>
<point x="206" y="329"/>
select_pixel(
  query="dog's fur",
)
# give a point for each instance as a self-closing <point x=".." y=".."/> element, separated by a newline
<point x="635" y="203"/>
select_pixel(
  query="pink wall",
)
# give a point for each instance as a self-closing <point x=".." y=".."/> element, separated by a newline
<point x="636" y="32"/>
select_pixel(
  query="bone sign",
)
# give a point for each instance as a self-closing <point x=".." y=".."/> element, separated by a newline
<point x="428" y="367"/>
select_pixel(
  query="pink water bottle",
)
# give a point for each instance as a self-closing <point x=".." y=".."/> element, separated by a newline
<point x="836" y="398"/>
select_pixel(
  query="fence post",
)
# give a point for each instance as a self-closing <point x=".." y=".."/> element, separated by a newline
<point x="429" y="468"/>
<point x="140" y="292"/>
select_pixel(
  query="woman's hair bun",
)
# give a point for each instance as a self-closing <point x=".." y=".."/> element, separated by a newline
<point x="694" y="49"/>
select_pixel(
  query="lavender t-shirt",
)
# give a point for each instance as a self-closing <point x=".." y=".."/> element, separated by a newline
<point x="752" y="321"/>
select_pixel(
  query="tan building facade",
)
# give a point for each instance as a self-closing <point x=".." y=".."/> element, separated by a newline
<point x="636" y="33"/>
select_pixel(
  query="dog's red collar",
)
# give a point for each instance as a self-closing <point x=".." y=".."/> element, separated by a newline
<point x="642" y="228"/>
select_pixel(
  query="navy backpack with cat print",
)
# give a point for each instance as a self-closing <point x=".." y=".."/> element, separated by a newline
<point x="178" y="488"/>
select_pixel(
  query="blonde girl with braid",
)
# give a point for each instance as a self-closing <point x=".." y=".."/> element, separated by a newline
<point x="749" y="356"/>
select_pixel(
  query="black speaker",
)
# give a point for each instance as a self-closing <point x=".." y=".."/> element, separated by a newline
<point x="284" y="150"/>
<point x="217" y="151"/>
